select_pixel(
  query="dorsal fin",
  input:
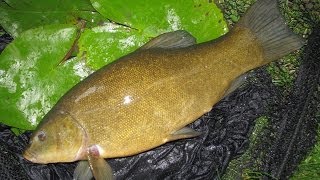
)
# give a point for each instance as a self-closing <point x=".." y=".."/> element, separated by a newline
<point x="171" y="40"/>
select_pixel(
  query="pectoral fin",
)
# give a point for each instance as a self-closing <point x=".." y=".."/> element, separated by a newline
<point x="171" y="40"/>
<point x="100" y="168"/>
<point x="95" y="167"/>
<point x="82" y="171"/>
<point x="183" y="133"/>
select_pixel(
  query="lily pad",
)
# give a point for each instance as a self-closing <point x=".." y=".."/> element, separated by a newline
<point x="202" y="18"/>
<point x="31" y="79"/>
<point x="103" y="44"/>
<point x="17" y="16"/>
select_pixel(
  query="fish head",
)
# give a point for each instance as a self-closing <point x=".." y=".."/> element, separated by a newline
<point x="59" y="138"/>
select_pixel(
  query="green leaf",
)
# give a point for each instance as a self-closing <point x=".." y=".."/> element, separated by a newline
<point x="17" y="131"/>
<point x="201" y="18"/>
<point x="104" y="44"/>
<point x="17" y="16"/>
<point x="31" y="79"/>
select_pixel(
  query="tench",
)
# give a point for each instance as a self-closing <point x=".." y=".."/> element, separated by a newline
<point x="147" y="98"/>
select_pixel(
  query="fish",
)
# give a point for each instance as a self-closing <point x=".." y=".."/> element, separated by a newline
<point x="148" y="97"/>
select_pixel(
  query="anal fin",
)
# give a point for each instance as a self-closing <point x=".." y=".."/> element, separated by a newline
<point x="240" y="80"/>
<point x="183" y="133"/>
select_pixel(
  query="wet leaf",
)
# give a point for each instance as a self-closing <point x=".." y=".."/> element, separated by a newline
<point x="201" y="18"/>
<point x="104" y="44"/>
<point x="31" y="79"/>
<point x="17" y="16"/>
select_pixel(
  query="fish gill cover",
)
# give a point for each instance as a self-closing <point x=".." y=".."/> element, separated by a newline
<point x="57" y="44"/>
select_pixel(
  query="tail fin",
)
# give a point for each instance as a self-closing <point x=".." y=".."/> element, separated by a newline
<point x="266" y="22"/>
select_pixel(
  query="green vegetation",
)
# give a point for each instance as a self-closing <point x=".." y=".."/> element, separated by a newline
<point x="2" y="32"/>
<point x="233" y="10"/>
<point x="241" y="168"/>
<point x="310" y="167"/>
<point x="283" y="72"/>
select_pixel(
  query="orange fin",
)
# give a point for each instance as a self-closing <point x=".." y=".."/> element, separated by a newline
<point x="183" y="133"/>
<point x="100" y="168"/>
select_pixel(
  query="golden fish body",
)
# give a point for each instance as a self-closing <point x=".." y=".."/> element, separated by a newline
<point x="146" y="98"/>
<point x="148" y="95"/>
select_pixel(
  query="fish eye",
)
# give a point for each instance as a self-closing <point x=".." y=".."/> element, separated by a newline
<point x="42" y="136"/>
